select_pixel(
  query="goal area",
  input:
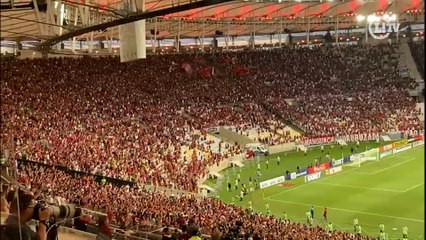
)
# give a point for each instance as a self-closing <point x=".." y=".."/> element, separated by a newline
<point x="370" y="155"/>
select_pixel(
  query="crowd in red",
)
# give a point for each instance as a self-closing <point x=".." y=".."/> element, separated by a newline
<point x="142" y="209"/>
<point x="135" y="121"/>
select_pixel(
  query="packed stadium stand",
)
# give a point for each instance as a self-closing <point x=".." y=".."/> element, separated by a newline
<point x="127" y="127"/>
<point x="107" y="136"/>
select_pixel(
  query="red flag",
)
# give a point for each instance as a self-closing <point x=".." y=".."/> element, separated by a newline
<point x="240" y="71"/>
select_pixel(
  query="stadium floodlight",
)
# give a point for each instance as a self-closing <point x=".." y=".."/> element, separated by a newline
<point x="360" y="18"/>
<point x="371" y="18"/>
<point x="386" y="17"/>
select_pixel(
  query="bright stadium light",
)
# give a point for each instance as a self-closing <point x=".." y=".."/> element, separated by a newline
<point x="386" y="17"/>
<point x="371" y="18"/>
<point x="360" y="18"/>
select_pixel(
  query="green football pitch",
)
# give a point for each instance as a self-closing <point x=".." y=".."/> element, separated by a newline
<point x="388" y="191"/>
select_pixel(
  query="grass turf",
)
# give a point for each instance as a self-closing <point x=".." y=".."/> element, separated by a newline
<point x="389" y="191"/>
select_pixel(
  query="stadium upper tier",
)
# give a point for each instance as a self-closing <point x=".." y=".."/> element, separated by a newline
<point x="147" y="120"/>
<point x="44" y="20"/>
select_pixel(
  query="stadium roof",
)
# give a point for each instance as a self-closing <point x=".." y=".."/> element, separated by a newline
<point x="37" y="20"/>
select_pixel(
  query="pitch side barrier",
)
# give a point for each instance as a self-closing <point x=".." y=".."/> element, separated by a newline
<point x="335" y="166"/>
<point x="329" y="140"/>
<point x="401" y="146"/>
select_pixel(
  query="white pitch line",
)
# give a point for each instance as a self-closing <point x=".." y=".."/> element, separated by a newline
<point x="350" y="210"/>
<point x="396" y="165"/>
<point x="361" y="187"/>
<point x="306" y="184"/>
<point x="417" y="185"/>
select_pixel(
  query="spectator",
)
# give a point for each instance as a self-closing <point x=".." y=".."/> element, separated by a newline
<point x="167" y="234"/>
<point x="4" y="204"/>
<point x="184" y="235"/>
<point x="26" y="210"/>
<point x="105" y="231"/>
<point x="216" y="234"/>
<point x="195" y="235"/>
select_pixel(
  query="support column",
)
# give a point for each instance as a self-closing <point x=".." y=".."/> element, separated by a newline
<point x="151" y="38"/>
<point x="280" y="33"/>
<point x="253" y="34"/>
<point x="60" y="12"/>
<point x="109" y="41"/>
<point x="74" y="24"/>
<point x="337" y="30"/>
<point x="227" y="36"/>
<point x="366" y="30"/>
<point x="60" y="8"/>
<point x="202" y="35"/>
<point x="308" y="30"/>
<point x="177" y="38"/>
<point x="396" y="20"/>
<point x="132" y="35"/>
<point x="41" y="26"/>
<point x="154" y="48"/>
<point x="90" y="42"/>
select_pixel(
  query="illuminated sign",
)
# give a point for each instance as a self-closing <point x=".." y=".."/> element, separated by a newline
<point x="381" y="27"/>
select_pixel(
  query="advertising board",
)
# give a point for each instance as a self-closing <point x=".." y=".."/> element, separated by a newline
<point x="401" y="149"/>
<point x="337" y="162"/>
<point x="333" y="170"/>
<point x="312" y="177"/>
<point x="272" y="182"/>
<point x="400" y="143"/>
<point x="386" y="147"/>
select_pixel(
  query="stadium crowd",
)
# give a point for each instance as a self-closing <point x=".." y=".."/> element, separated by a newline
<point x="151" y="210"/>
<point x="140" y="121"/>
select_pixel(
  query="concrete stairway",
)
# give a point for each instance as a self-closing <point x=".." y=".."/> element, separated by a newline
<point x="232" y="136"/>
<point x="409" y="62"/>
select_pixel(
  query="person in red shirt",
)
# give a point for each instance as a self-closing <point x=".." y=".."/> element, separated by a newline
<point x="184" y="235"/>
<point x="105" y="231"/>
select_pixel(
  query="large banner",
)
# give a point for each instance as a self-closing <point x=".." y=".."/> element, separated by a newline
<point x="360" y="137"/>
<point x="412" y="133"/>
<point x="318" y="141"/>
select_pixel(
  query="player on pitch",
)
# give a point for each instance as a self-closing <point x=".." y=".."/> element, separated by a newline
<point x="325" y="214"/>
